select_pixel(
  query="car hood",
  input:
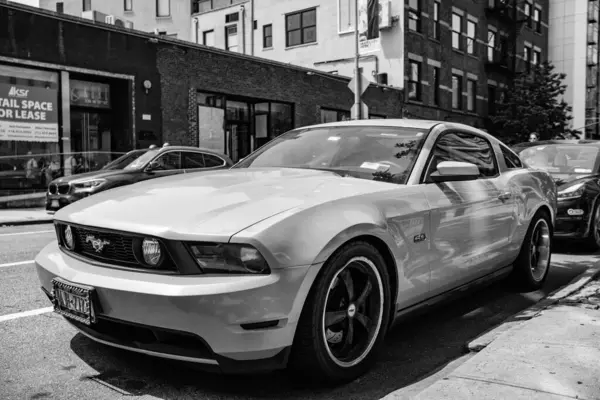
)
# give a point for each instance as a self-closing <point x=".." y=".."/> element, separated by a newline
<point x="88" y="175"/>
<point x="214" y="205"/>
<point x="564" y="180"/>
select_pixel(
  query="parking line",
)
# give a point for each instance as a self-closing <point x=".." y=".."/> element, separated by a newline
<point x="29" y="313"/>
<point x="14" y="264"/>
<point x="25" y="233"/>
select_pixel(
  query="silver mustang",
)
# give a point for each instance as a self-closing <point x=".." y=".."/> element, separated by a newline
<point x="305" y="252"/>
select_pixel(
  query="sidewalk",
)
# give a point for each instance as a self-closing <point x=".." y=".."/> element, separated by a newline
<point x="24" y="216"/>
<point x="554" y="355"/>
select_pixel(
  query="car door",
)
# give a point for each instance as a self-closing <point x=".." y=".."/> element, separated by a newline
<point x="469" y="219"/>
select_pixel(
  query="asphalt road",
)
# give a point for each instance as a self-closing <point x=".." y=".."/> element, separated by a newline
<point x="42" y="357"/>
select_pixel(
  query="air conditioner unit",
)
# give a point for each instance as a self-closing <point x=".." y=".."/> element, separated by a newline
<point x="160" y="31"/>
<point x="385" y="14"/>
<point x="110" y="19"/>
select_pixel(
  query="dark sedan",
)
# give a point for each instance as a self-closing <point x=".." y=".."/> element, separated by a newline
<point x="575" y="167"/>
<point x="135" y="166"/>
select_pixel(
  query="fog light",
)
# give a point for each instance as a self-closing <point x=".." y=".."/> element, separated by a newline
<point x="151" y="252"/>
<point x="574" y="211"/>
<point x="68" y="236"/>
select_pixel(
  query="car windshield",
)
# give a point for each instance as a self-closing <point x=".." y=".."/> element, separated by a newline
<point x="124" y="160"/>
<point x="561" y="158"/>
<point x="367" y="152"/>
<point x="142" y="160"/>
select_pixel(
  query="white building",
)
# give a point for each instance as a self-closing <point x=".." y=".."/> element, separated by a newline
<point x="573" y="49"/>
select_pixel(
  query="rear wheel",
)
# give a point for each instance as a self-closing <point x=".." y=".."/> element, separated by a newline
<point x="345" y="318"/>
<point x="593" y="239"/>
<point x="533" y="263"/>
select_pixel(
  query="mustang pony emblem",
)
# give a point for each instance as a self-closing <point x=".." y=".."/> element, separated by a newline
<point x="97" y="244"/>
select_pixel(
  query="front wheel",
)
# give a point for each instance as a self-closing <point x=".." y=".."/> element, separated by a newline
<point x="345" y="316"/>
<point x="533" y="263"/>
<point x="593" y="239"/>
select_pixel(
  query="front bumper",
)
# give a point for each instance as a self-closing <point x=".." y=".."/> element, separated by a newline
<point x="55" y="202"/>
<point x="232" y="323"/>
<point x="572" y="218"/>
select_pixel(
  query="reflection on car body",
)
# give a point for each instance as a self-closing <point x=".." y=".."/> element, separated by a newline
<point x="304" y="253"/>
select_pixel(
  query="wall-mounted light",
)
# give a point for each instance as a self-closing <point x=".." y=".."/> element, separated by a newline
<point x="147" y="85"/>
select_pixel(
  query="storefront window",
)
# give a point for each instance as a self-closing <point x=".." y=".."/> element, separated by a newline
<point x="328" y="115"/>
<point x="29" y="132"/>
<point x="282" y="118"/>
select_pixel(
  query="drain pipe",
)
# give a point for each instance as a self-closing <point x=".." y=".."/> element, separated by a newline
<point x="251" y="27"/>
<point x="243" y="10"/>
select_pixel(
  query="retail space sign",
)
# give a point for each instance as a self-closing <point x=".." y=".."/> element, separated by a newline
<point x="28" y="113"/>
<point x="90" y="94"/>
<point x="368" y="26"/>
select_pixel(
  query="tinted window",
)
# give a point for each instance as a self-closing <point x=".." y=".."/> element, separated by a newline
<point x="213" y="161"/>
<point x="464" y="147"/>
<point x="169" y="161"/>
<point x="125" y="160"/>
<point x="511" y="159"/>
<point x="192" y="160"/>
<point x="561" y="158"/>
<point x="368" y="152"/>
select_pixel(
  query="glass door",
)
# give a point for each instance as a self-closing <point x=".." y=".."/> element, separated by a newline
<point x="90" y="141"/>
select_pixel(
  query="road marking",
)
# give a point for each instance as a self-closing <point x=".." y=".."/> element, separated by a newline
<point x="14" y="264"/>
<point x="25" y="233"/>
<point x="29" y="313"/>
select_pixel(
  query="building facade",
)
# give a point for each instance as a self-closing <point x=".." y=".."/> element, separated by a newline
<point x="462" y="54"/>
<point x="574" y="51"/>
<point x="69" y="86"/>
<point x="311" y="33"/>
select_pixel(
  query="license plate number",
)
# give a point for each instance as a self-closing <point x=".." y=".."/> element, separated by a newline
<point x="74" y="301"/>
<point x="55" y="204"/>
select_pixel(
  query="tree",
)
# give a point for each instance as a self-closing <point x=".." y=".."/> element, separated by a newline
<point x="534" y="105"/>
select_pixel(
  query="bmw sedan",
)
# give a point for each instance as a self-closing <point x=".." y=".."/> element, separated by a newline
<point x="304" y="253"/>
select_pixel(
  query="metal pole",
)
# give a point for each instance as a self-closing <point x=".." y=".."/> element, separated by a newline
<point x="357" y="87"/>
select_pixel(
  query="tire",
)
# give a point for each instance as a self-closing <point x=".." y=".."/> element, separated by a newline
<point x="531" y="267"/>
<point x="321" y="351"/>
<point x="592" y="241"/>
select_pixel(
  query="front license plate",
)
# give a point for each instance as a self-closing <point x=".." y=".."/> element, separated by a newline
<point x="55" y="204"/>
<point x="74" y="301"/>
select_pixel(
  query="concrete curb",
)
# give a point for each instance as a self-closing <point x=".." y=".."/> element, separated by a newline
<point x="483" y="340"/>
<point x="27" y="222"/>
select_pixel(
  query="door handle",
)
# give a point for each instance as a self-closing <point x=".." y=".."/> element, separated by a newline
<point x="505" y="196"/>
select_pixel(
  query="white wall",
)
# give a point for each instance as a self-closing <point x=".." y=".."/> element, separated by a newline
<point x="568" y="51"/>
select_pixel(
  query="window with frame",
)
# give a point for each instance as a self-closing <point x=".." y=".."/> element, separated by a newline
<point x="527" y="11"/>
<point x="527" y="57"/>
<point x="346" y="16"/>
<point x="511" y="160"/>
<point x="492" y="100"/>
<point x="457" y="31"/>
<point x="491" y="44"/>
<point x="127" y="5"/>
<point x="537" y="57"/>
<point x="456" y="92"/>
<point x="163" y="8"/>
<point x="471" y="37"/>
<point x="168" y="161"/>
<point x="267" y="36"/>
<point x="537" y="19"/>
<point x="212" y="161"/>
<point x="208" y="38"/>
<point x="464" y="147"/>
<point x="414" y="15"/>
<point x="592" y="33"/>
<point x="192" y="160"/>
<point x="471" y="95"/>
<point x="328" y="115"/>
<point x="60" y="7"/>
<point x="231" y="38"/>
<point x="87" y="5"/>
<point x="301" y="28"/>
<point x="436" y="20"/>
<point x="414" y="80"/>
<point x="436" y="85"/>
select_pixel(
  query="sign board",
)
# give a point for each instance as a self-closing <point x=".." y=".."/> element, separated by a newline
<point x="28" y="113"/>
<point x="365" y="111"/>
<point x="90" y="94"/>
<point x="364" y="83"/>
<point x="368" y="26"/>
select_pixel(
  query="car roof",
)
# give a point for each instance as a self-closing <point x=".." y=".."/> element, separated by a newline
<point x="525" y="145"/>
<point x="190" y="148"/>
<point x="392" y="122"/>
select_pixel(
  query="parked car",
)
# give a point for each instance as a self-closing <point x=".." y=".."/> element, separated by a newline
<point x="575" y="166"/>
<point x="304" y="253"/>
<point x="135" y="166"/>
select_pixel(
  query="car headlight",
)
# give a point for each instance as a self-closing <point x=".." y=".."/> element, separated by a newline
<point x="572" y="191"/>
<point x="229" y="258"/>
<point x="87" y="186"/>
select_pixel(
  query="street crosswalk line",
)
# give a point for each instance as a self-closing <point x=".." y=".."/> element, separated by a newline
<point x="15" y="264"/>
<point x="30" y="313"/>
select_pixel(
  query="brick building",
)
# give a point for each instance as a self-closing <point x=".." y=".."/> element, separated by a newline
<point x="461" y="54"/>
<point x="106" y="90"/>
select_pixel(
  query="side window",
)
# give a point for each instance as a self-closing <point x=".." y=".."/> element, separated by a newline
<point x="192" y="160"/>
<point x="169" y="161"/>
<point x="212" y="161"/>
<point x="464" y="147"/>
<point x="511" y="159"/>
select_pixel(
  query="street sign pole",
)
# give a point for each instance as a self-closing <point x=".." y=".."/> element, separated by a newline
<point x="357" y="74"/>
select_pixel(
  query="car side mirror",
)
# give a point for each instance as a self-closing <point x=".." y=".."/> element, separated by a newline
<point x="152" y="166"/>
<point x="455" y="171"/>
